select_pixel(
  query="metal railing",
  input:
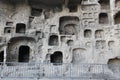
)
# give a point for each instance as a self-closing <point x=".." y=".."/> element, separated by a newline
<point x="78" y="71"/>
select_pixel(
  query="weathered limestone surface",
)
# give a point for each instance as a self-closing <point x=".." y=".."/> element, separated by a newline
<point x="62" y="31"/>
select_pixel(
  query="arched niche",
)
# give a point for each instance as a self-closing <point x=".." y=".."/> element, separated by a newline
<point x="87" y="33"/>
<point x="68" y="25"/>
<point x="78" y="55"/>
<point x="117" y="18"/>
<point x="19" y="46"/>
<point x="70" y="42"/>
<point x="105" y="4"/>
<point x="56" y="58"/>
<point x="99" y="33"/>
<point x="103" y="18"/>
<point x="53" y="40"/>
<point x="24" y="53"/>
<point x="114" y="64"/>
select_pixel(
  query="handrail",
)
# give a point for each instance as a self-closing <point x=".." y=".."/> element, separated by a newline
<point x="62" y="70"/>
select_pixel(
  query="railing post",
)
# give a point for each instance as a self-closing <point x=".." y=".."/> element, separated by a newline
<point x="103" y="70"/>
<point x="70" y="71"/>
<point x="3" y="65"/>
<point x="5" y="54"/>
<point x="1" y="70"/>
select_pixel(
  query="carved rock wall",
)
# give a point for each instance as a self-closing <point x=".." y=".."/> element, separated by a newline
<point x="70" y="32"/>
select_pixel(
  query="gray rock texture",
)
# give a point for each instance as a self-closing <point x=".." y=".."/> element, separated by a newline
<point x="71" y="32"/>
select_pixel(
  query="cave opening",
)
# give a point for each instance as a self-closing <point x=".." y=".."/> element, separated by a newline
<point x="24" y="53"/>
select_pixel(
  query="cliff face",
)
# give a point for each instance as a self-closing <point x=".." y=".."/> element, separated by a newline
<point x="70" y="31"/>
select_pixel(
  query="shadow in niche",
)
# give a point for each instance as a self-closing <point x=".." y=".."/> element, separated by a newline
<point x="1" y="57"/>
<point x="103" y="18"/>
<point x="99" y="33"/>
<point x="24" y="53"/>
<point x="87" y="33"/>
<point x="105" y="4"/>
<point x="20" y="28"/>
<point x="57" y="58"/>
<point x="36" y="12"/>
<point x="117" y="18"/>
<point x="117" y="3"/>
<point x="114" y="65"/>
<point x="53" y="40"/>
<point x="13" y="50"/>
<point x="7" y="30"/>
<point x="68" y="25"/>
<point x="73" y="5"/>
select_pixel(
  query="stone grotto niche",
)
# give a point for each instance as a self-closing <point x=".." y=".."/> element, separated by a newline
<point x="56" y="58"/>
<point x="114" y="64"/>
<point x="63" y="38"/>
<point x="111" y="44"/>
<point x="103" y="18"/>
<point x="73" y="5"/>
<point x="53" y="40"/>
<point x="9" y="23"/>
<point x="70" y="43"/>
<point x="24" y="53"/>
<point x="105" y="4"/>
<point x="87" y="33"/>
<point x="36" y="12"/>
<point x="48" y="13"/>
<point x="72" y="8"/>
<point x="117" y="18"/>
<point x="78" y="55"/>
<point x="20" y="49"/>
<point x="7" y="30"/>
<point x="117" y="3"/>
<point x="20" y="28"/>
<point x="68" y="25"/>
<point x="99" y="34"/>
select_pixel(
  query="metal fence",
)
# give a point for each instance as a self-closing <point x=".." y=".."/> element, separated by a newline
<point x="40" y="70"/>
